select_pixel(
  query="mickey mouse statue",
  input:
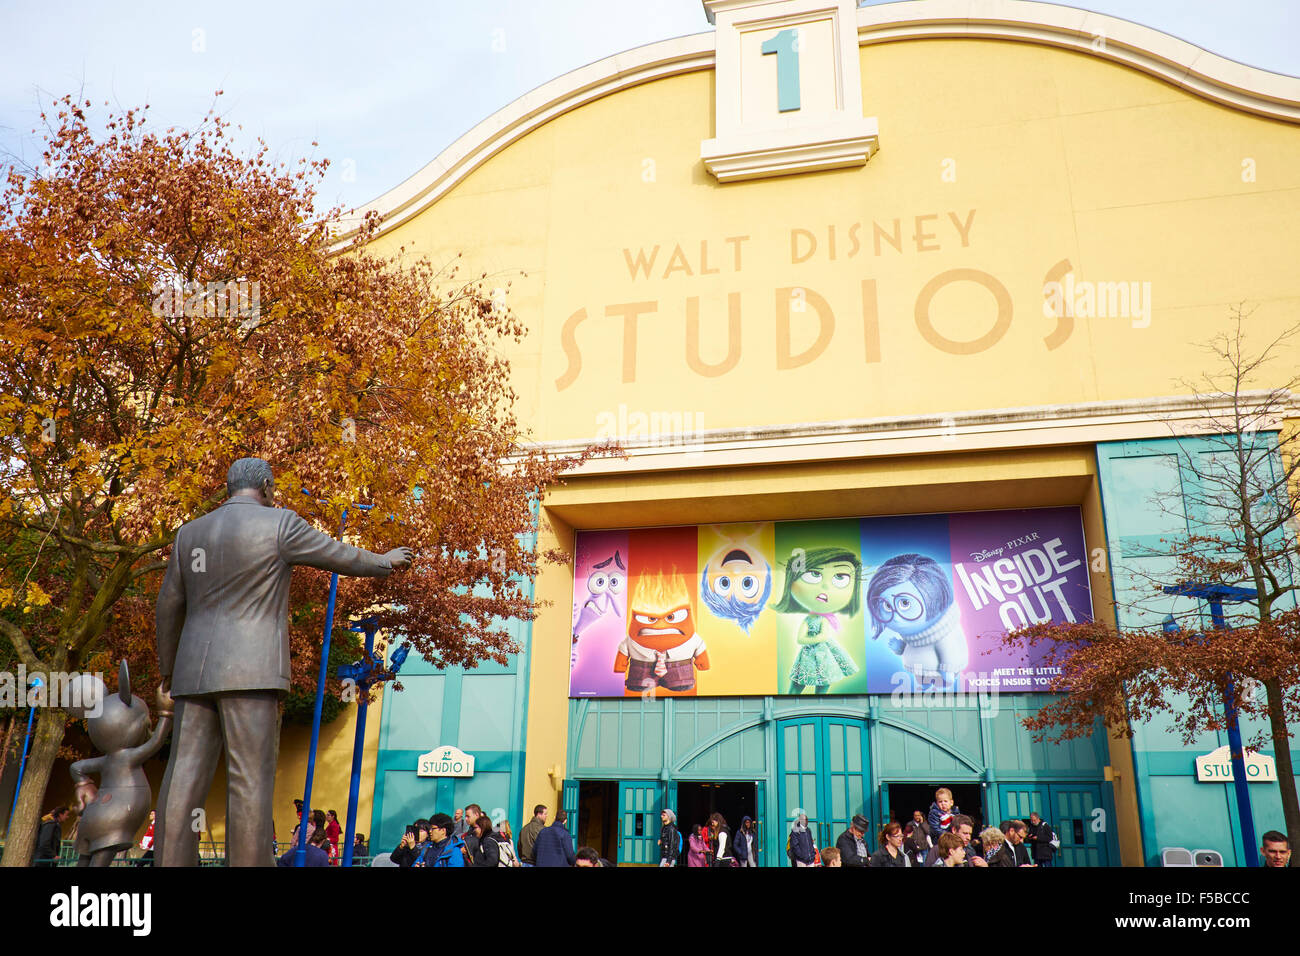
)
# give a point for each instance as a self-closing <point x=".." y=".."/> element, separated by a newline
<point x="112" y="813"/>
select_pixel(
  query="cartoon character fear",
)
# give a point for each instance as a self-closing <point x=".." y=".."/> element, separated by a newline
<point x="662" y="650"/>
<point x="821" y="584"/>
<point x="736" y="582"/>
<point x="911" y="595"/>
<point x="606" y="590"/>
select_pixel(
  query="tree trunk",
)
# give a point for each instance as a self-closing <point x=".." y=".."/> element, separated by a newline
<point x="4" y="758"/>
<point x="1282" y="755"/>
<point x="47" y="735"/>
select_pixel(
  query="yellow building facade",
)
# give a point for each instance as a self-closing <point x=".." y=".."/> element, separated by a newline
<point x="963" y="261"/>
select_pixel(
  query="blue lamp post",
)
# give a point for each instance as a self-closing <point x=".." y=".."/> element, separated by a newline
<point x="300" y="853"/>
<point x="366" y="673"/>
<point x="22" y="766"/>
<point x="1215" y="595"/>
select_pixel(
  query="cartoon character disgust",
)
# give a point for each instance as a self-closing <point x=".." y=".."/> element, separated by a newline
<point x="606" y="587"/>
<point x="736" y="582"/>
<point x="827" y="589"/>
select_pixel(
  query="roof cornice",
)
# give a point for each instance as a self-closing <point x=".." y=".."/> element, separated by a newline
<point x="1150" y="51"/>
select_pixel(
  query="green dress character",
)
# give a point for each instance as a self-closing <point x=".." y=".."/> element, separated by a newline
<point x="821" y="584"/>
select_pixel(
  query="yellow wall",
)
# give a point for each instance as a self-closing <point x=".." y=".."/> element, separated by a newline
<point x="1005" y="159"/>
<point x="1060" y="156"/>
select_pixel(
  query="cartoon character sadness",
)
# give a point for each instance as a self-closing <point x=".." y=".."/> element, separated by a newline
<point x="911" y="595"/>
<point x="821" y="584"/>
<point x="736" y="582"/>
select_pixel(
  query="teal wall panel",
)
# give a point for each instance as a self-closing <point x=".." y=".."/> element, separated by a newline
<point x="487" y="713"/>
<point x="406" y="798"/>
<point x="412" y="718"/>
<point x="719" y="739"/>
<point x="490" y="790"/>
<point x="1144" y="489"/>
<point x="1196" y="814"/>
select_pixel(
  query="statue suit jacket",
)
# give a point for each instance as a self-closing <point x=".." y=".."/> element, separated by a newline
<point x="222" y="617"/>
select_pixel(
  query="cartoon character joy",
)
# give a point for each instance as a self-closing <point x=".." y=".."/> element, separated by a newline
<point x="112" y="812"/>
<point x="821" y="584"/>
<point x="911" y="595"/>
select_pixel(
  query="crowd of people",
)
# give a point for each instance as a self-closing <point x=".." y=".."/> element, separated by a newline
<point x="469" y="838"/>
<point x="323" y="833"/>
<point x="943" y="837"/>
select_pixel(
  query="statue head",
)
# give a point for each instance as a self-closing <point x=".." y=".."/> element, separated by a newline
<point x="251" y="477"/>
<point x="123" y="721"/>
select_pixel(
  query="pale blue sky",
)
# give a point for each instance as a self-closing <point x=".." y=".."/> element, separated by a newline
<point x="383" y="87"/>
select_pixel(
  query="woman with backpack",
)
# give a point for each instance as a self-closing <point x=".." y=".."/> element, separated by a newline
<point x="670" y="840"/>
<point x="487" y="850"/>
<point x="505" y="848"/>
<point x="720" y="841"/>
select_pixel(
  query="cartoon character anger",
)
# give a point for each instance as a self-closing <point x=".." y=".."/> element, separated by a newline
<point x="662" y="649"/>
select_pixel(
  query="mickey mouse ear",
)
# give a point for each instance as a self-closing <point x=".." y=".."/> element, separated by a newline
<point x="124" y="683"/>
<point x="88" y="693"/>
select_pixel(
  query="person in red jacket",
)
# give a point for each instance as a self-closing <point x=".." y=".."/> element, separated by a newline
<point x="332" y="831"/>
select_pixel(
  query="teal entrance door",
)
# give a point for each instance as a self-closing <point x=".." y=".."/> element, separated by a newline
<point x="823" y="763"/>
<point x="1076" y="813"/>
<point x="1021" y="799"/>
<point x="638" y="821"/>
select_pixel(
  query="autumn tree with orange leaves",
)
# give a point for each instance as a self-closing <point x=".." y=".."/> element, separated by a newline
<point x="1242" y="511"/>
<point x="168" y="306"/>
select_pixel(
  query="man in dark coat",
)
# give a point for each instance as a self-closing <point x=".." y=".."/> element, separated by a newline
<point x="1039" y="838"/>
<point x="528" y="836"/>
<point x="317" y="855"/>
<point x="223" y="653"/>
<point x="851" y="844"/>
<point x="554" y="846"/>
<point x="669" y="840"/>
<point x="1015" y="834"/>
<point x="49" y="838"/>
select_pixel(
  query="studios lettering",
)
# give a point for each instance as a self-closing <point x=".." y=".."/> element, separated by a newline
<point x="805" y="323"/>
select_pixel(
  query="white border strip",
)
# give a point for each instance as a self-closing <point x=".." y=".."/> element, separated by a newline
<point x="1158" y="54"/>
<point x="991" y="429"/>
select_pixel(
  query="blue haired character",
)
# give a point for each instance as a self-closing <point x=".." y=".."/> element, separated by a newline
<point x="736" y="583"/>
<point x="821" y="584"/>
<point x="911" y="595"/>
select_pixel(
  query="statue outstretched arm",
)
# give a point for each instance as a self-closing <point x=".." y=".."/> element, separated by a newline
<point x="139" y="755"/>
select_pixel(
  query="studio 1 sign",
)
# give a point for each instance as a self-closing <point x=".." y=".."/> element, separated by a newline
<point x="1216" y="767"/>
<point x="445" y="762"/>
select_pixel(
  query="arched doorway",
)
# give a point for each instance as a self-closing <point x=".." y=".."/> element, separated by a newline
<point x="824" y="771"/>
